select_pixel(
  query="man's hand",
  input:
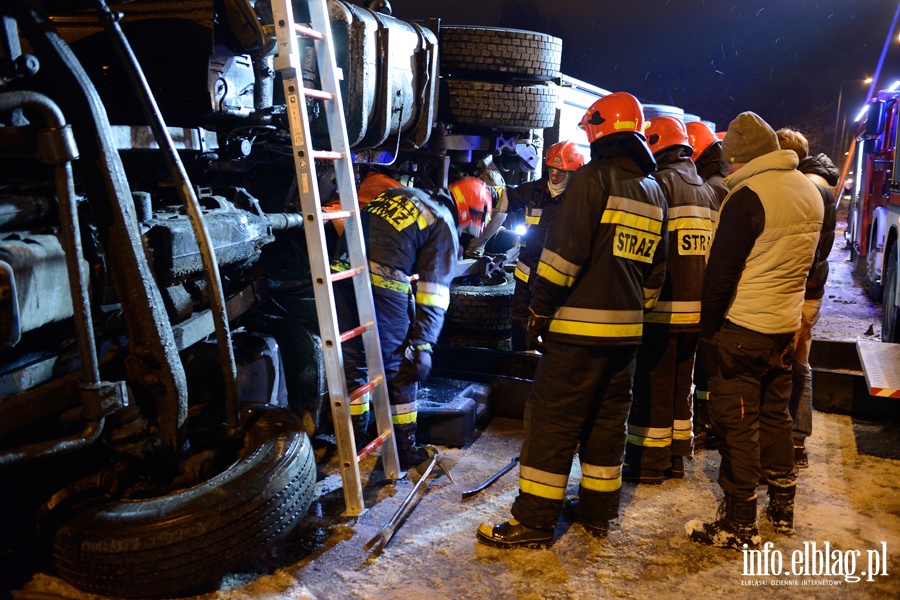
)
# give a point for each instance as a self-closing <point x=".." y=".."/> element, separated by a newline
<point x="536" y="328"/>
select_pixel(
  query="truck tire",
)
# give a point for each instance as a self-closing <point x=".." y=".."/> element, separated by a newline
<point x="890" y="314"/>
<point x="874" y="288"/>
<point x="186" y="541"/>
<point x="501" y="105"/>
<point x="481" y="308"/>
<point x="490" y="53"/>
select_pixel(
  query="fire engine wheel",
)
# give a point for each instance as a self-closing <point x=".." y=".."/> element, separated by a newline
<point x="501" y="105"/>
<point x="488" y="53"/>
<point x="186" y="541"/>
<point x="874" y="288"/>
<point x="890" y="314"/>
<point x="480" y="308"/>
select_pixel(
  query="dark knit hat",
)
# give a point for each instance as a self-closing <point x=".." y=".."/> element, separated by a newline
<point x="748" y="137"/>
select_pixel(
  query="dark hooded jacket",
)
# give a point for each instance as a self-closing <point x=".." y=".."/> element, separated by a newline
<point x="822" y="172"/>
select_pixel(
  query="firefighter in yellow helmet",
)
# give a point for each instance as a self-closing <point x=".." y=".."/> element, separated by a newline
<point x="602" y="266"/>
<point x="540" y="200"/>
<point x="412" y="245"/>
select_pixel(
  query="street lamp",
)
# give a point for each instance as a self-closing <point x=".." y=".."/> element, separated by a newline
<point x="837" y="116"/>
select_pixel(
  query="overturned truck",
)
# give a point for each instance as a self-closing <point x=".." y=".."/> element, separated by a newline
<point x="160" y="366"/>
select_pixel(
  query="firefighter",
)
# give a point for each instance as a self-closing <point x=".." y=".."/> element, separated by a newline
<point x="408" y="232"/>
<point x="540" y="200"/>
<point x="659" y="425"/>
<point x="603" y="264"/>
<point x="709" y="159"/>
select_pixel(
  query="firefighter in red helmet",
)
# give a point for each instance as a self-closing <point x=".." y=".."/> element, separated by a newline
<point x="602" y="266"/>
<point x="660" y="424"/>
<point x="539" y="200"/>
<point x="408" y="232"/>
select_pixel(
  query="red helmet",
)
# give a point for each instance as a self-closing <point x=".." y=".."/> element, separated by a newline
<point x="564" y="156"/>
<point x="615" y="113"/>
<point x="665" y="132"/>
<point x="721" y="134"/>
<point x="473" y="202"/>
<point x="701" y="137"/>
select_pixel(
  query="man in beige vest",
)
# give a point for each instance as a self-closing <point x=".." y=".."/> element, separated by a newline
<point x="751" y="305"/>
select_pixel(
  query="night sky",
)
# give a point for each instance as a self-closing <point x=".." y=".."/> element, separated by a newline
<point x="784" y="59"/>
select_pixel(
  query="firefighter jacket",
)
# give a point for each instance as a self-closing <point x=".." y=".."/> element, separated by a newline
<point x="534" y="199"/>
<point x="407" y="232"/>
<point x="712" y="168"/>
<point x="604" y="259"/>
<point x="692" y="218"/>
<point x="822" y="172"/>
<point x="766" y="240"/>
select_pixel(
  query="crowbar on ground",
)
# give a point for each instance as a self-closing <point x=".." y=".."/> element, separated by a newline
<point x="492" y="478"/>
<point x="387" y="532"/>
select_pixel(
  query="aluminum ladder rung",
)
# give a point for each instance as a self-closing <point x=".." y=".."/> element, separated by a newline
<point x="289" y="63"/>
<point x="308" y="32"/>
<point x="327" y="155"/>
<point x="347" y="274"/>
<point x="318" y="94"/>
<point x="355" y="332"/>
<point x="333" y="215"/>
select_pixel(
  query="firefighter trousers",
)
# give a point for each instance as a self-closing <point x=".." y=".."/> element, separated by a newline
<point x="580" y="395"/>
<point x="659" y="424"/>
<point x="749" y="394"/>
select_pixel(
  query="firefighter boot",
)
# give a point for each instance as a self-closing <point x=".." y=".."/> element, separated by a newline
<point x="411" y="455"/>
<point x="513" y="534"/>
<point x="780" y="508"/>
<point x="596" y="527"/>
<point x="735" y="526"/>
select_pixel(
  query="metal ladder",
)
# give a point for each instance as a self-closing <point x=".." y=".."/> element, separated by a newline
<point x="288" y="64"/>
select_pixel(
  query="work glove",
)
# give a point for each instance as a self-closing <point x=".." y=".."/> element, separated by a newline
<point x="416" y="365"/>
<point x="475" y="249"/>
<point x="535" y="330"/>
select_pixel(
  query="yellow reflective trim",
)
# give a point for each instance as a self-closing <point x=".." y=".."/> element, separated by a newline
<point x="339" y="266"/>
<point x="600" y="330"/>
<point x="532" y="220"/>
<point x="646" y="442"/>
<point x="421" y="222"/>
<point x="657" y="316"/>
<point x="438" y="300"/>
<point x="632" y="221"/>
<point x="551" y="258"/>
<point x="702" y="212"/>
<point x="649" y="303"/>
<point x="601" y="485"/>
<point x="520" y="275"/>
<point x="404" y="418"/>
<point x="359" y="409"/>
<point x="390" y="284"/>
<point x="630" y="125"/>
<point x="690" y="223"/>
<point x="701" y="394"/>
<point x="542" y="490"/>
<point x="552" y="275"/>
